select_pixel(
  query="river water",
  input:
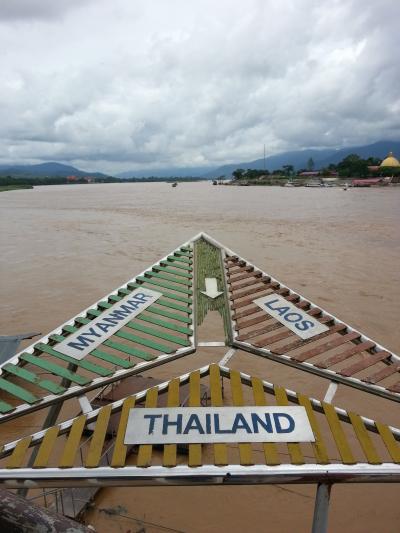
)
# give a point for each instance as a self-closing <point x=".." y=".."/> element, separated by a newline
<point x="64" y="247"/>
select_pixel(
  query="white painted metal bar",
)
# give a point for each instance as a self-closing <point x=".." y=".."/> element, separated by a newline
<point x="211" y="344"/>
<point x="331" y="391"/>
<point x="201" y="475"/>
<point x="227" y="357"/>
<point x="85" y="408"/>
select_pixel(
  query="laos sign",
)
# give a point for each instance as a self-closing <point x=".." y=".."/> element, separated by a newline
<point x="185" y="425"/>
<point x="100" y="329"/>
<point x="304" y="325"/>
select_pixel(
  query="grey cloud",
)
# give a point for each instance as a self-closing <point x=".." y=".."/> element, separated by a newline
<point x="188" y="84"/>
<point x="14" y="10"/>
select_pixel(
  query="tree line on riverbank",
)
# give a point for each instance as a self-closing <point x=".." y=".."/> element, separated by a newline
<point x="8" y="183"/>
<point x="352" y="166"/>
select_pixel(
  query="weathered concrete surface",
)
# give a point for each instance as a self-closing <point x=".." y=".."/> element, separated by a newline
<point x="18" y="515"/>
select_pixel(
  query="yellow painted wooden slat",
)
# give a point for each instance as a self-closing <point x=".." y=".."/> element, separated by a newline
<point x="19" y="452"/>
<point x="270" y="450"/>
<point x="120" y="449"/>
<point x="245" y="451"/>
<point x="364" y="438"/>
<point x="296" y="455"/>
<point x="46" y="447"/>
<point x="220" y="450"/>
<point x="391" y="444"/>
<point x="320" y="451"/>
<point x="194" y="401"/>
<point x="97" y="441"/>
<point x="145" y="450"/>
<point x="338" y="434"/>
<point x="73" y="442"/>
<point x="169" y="458"/>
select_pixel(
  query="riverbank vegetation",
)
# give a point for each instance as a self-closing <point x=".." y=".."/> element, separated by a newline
<point x="10" y="182"/>
<point x="4" y="188"/>
<point x="350" y="167"/>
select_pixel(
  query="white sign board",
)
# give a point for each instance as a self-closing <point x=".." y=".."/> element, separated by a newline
<point x="88" y="337"/>
<point x="304" y="325"/>
<point x="185" y="425"/>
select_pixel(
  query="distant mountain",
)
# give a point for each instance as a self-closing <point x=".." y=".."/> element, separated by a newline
<point x="46" y="169"/>
<point x="379" y="149"/>
<point x="299" y="158"/>
<point x="173" y="172"/>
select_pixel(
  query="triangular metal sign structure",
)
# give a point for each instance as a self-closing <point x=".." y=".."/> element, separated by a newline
<point x="123" y="343"/>
<point x="152" y="320"/>
<point x="367" y="450"/>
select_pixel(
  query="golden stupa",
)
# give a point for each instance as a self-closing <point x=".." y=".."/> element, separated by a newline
<point x="390" y="161"/>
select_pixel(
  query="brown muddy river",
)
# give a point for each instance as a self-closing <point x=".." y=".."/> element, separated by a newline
<point x="64" y="247"/>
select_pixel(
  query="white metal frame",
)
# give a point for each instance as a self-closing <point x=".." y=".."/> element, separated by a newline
<point x="201" y="475"/>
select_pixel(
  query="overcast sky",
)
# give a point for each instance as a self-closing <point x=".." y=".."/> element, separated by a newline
<point x="128" y="84"/>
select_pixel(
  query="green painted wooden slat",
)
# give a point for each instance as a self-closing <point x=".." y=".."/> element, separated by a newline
<point x="181" y="281"/>
<point x="172" y="261"/>
<point x="164" y="324"/>
<point x="172" y="305"/>
<point x="17" y="391"/>
<point x="113" y="359"/>
<point x="165" y="286"/>
<point x="55" y="369"/>
<point x="5" y="407"/>
<point x="146" y="342"/>
<point x="87" y="365"/>
<point x="157" y="311"/>
<point x="149" y="278"/>
<point x="110" y="358"/>
<point x="22" y="373"/>
<point x="128" y="350"/>
<point x="159" y="334"/>
<point x="174" y="272"/>
<point x="165" y="303"/>
<point x="182" y="259"/>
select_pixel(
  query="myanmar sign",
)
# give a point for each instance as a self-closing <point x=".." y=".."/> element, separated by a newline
<point x="185" y="425"/>
<point x="304" y="325"/>
<point x="100" y="329"/>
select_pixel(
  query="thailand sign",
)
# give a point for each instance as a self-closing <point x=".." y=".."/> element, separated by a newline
<point x="88" y="337"/>
<point x="304" y="325"/>
<point x="185" y="425"/>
